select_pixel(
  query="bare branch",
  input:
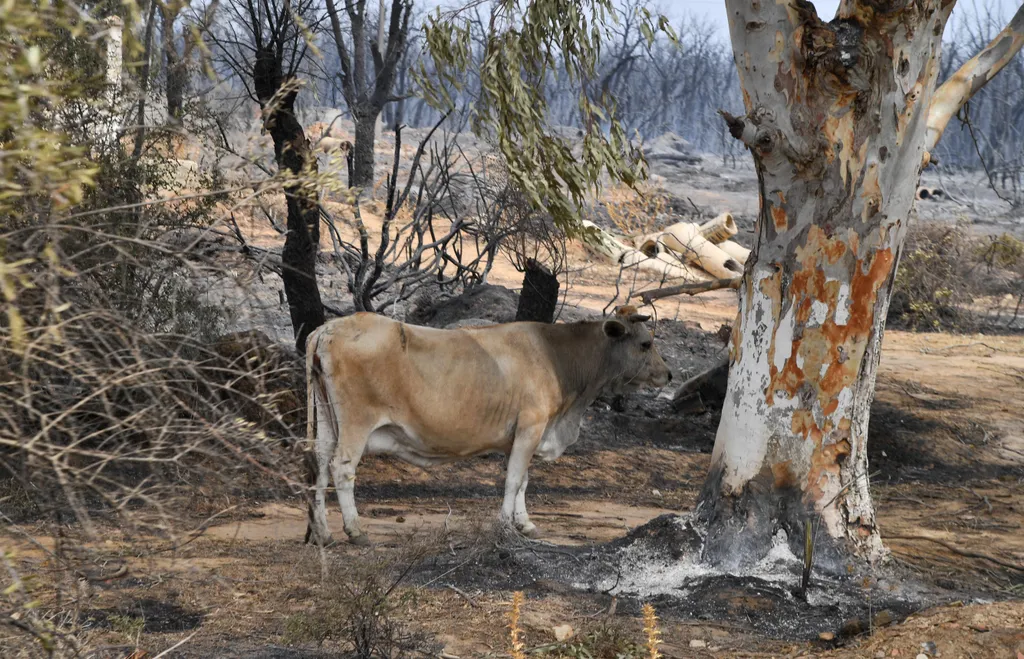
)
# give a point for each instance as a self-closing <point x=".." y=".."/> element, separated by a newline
<point x="972" y="76"/>
<point x="688" y="289"/>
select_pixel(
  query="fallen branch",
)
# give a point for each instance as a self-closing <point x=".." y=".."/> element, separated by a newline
<point x="961" y="552"/>
<point x="688" y="289"/>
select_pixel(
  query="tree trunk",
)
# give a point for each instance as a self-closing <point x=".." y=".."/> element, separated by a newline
<point x="362" y="150"/>
<point x="175" y="68"/>
<point x="836" y="120"/>
<point x="292" y="152"/>
<point x="539" y="297"/>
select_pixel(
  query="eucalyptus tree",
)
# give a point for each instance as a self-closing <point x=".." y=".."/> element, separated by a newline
<point x="841" y="117"/>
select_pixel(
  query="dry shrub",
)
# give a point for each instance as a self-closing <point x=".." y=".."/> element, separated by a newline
<point x="357" y="604"/>
<point x="950" y="280"/>
<point x="932" y="292"/>
<point x="530" y="235"/>
<point x="117" y="401"/>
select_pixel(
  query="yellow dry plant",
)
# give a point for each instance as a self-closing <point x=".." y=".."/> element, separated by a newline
<point x="651" y="631"/>
<point x="514" y="630"/>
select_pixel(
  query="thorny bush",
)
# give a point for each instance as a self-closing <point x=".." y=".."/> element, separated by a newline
<point x="358" y="601"/>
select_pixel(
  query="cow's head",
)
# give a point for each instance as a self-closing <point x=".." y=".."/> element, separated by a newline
<point x="633" y="356"/>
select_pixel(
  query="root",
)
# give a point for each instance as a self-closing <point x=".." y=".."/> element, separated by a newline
<point x="962" y="552"/>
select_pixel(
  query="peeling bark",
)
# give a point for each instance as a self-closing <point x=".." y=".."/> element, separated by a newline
<point x="836" y="119"/>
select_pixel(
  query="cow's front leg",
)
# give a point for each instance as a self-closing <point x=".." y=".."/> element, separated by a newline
<point x="519" y="515"/>
<point x="513" y="507"/>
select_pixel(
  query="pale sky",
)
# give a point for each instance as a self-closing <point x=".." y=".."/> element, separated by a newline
<point x="714" y="10"/>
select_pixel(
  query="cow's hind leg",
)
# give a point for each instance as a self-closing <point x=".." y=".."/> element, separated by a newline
<point x="316" y="529"/>
<point x="352" y="444"/>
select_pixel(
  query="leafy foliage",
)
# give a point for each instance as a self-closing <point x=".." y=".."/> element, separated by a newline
<point x="522" y="46"/>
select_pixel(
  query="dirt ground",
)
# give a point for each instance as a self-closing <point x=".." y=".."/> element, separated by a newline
<point x="946" y="453"/>
<point x="948" y="462"/>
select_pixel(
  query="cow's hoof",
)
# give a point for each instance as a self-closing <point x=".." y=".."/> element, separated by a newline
<point x="360" y="540"/>
<point x="529" y="530"/>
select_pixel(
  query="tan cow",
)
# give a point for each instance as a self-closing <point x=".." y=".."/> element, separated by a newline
<point x="430" y="395"/>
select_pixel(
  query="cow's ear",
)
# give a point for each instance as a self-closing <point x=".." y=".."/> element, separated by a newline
<point x="638" y="318"/>
<point x="615" y="328"/>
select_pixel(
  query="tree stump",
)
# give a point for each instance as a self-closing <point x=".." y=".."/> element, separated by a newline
<point x="539" y="297"/>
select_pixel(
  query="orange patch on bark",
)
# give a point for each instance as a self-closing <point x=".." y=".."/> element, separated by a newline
<point x="803" y="424"/>
<point x="779" y="218"/>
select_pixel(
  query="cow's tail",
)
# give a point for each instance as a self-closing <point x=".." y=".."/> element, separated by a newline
<point x="318" y="406"/>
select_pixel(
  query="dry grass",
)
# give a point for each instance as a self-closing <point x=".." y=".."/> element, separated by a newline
<point x="634" y="212"/>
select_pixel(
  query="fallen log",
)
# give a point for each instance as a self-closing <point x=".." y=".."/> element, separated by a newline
<point x="719" y="229"/>
<point x="735" y="250"/>
<point x="685" y="239"/>
<point x="710" y="386"/>
<point x="604" y="244"/>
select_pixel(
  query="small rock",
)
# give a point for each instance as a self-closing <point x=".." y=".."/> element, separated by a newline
<point x="930" y="649"/>
<point x="853" y="627"/>
<point x="921" y="656"/>
<point x="400" y="519"/>
<point x="882" y="618"/>
<point x="656" y="493"/>
<point x="880" y="654"/>
<point x="562" y="632"/>
<point x="697" y="643"/>
<point x="826" y="636"/>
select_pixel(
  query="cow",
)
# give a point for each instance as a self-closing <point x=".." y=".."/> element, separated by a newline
<point x="428" y="396"/>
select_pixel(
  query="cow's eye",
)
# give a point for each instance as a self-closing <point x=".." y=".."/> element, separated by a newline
<point x="646" y="345"/>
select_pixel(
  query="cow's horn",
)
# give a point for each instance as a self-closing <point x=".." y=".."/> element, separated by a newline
<point x="625" y="310"/>
<point x="638" y="318"/>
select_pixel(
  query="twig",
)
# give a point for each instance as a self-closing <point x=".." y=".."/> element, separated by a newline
<point x="966" y="120"/>
<point x="929" y="351"/>
<point x="463" y="595"/>
<point x="177" y="645"/>
<point x="688" y="289"/>
<point x="961" y="552"/>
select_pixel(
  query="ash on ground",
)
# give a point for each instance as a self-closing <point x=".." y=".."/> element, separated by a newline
<point x="659" y="563"/>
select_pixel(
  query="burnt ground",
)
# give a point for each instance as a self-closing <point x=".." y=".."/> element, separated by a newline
<point x="948" y="477"/>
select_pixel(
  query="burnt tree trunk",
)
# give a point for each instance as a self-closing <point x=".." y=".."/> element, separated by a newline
<point x="363" y="151"/>
<point x="539" y="297"/>
<point x="292" y="153"/>
<point x="840" y="118"/>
